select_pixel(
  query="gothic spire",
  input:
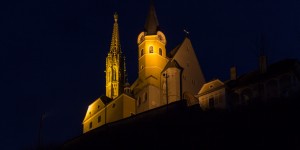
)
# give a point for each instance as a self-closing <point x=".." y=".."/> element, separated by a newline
<point x="115" y="46"/>
<point x="151" y="25"/>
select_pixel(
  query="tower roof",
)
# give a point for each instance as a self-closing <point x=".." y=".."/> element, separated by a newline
<point x="151" y="25"/>
<point x="115" y="46"/>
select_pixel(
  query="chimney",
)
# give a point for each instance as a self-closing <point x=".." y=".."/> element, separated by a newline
<point x="233" y="73"/>
<point x="263" y="64"/>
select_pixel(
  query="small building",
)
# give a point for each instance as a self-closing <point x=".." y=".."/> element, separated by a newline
<point x="279" y="81"/>
<point x="213" y="95"/>
<point x="105" y="110"/>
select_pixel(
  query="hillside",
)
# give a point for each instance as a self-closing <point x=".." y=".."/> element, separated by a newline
<point x="257" y="126"/>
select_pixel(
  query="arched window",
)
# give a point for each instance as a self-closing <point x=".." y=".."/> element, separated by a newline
<point x="114" y="74"/>
<point x="151" y="49"/>
<point x="142" y="52"/>
<point x="160" y="37"/>
<point x="160" y="51"/>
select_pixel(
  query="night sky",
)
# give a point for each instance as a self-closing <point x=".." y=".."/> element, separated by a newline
<point x="53" y="52"/>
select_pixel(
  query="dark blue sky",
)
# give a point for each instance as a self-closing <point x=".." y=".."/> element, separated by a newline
<point x="53" y="52"/>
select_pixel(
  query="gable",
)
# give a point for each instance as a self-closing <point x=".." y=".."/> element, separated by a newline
<point x="212" y="85"/>
<point x="93" y="108"/>
<point x="192" y="75"/>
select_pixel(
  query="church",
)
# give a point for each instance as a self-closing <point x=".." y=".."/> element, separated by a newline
<point x="163" y="77"/>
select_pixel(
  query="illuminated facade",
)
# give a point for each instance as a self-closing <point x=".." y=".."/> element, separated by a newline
<point x="115" y="105"/>
<point x="105" y="110"/>
<point x="152" y="60"/>
<point x="162" y="78"/>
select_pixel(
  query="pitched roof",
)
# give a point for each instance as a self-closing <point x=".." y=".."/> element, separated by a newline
<point x="105" y="99"/>
<point x="151" y="25"/>
<point x="213" y="85"/>
<point x="172" y="64"/>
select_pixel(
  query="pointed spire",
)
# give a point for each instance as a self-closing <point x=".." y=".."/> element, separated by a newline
<point x="151" y="25"/>
<point x="115" y="46"/>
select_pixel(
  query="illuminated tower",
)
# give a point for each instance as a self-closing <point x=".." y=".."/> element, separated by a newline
<point x="115" y="65"/>
<point x="151" y="49"/>
<point x="152" y="60"/>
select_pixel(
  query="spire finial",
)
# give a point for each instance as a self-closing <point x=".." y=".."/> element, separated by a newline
<point x="187" y="33"/>
<point x="116" y="17"/>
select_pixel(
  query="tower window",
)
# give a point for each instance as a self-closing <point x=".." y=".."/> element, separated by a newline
<point x="142" y="52"/>
<point x="151" y="49"/>
<point x="160" y="51"/>
<point x="160" y="37"/>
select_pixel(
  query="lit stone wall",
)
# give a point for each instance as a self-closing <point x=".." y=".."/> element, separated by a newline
<point x="122" y="107"/>
<point x="148" y="98"/>
<point x="170" y="85"/>
<point x="151" y="63"/>
<point x="97" y="115"/>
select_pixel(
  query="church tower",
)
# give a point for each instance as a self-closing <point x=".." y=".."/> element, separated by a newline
<point x="151" y="50"/>
<point x="152" y="59"/>
<point x="115" y="65"/>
